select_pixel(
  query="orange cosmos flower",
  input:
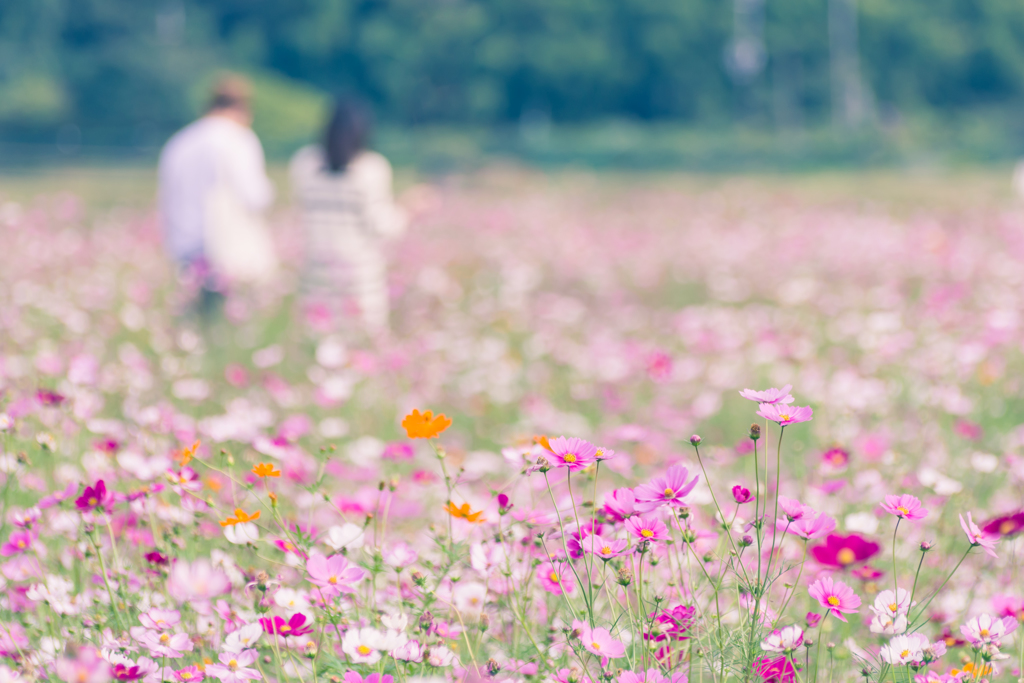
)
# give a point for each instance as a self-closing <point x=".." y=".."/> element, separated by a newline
<point x="240" y="517"/>
<point x="265" y="469"/>
<point x="543" y="441"/>
<point x="464" y="512"/>
<point x="425" y="425"/>
<point x="185" y="455"/>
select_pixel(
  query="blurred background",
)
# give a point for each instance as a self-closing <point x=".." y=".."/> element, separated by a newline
<point x="707" y="85"/>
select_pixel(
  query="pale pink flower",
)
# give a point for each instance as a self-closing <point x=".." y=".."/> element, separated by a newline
<point x="199" y="580"/>
<point x="785" y="415"/>
<point x="669" y="489"/>
<point x="234" y="668"/>
<point x="904" y="506"/>
<point x="978" y="537"/>
<point x="160" y="619"/>
<point x="599" y="641"/>
<point x="647" y="528"/>
<point x="574" y="453"/>
<point x="770" y="396"/>
<point x="835" y="596"/>
<point x="555" y="580"/>
<point x="334" y="575"/>
<point x="818" y="526"/>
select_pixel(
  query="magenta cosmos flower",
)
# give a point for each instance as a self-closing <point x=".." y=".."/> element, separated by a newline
<point x="905" y="506"/>
<point x="669" y="489"/>
<point x="574" y="453"/>
<point x="978" y="537"/>
<point x="92" y="497"/>
<point x="785" y="415"/>
<point x="741" y="495"/>
<point x="296" y="626"/>
<point x="620" y="504"/>
<point x="334" y="575"/>
<point x="842" y="551"/>
<point x="1005" y="525"/>
<point x="835" y="596"/>
<point x="770" y="396"/>
<point x="647" y="528"/>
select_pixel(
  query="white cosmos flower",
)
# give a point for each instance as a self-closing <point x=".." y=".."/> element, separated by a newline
<point x="347" y="535"/>
<point x="242" y="533"/>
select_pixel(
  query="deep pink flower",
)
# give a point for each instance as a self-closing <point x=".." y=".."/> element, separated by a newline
<point x="295" y="626"/>
<point x="741" y="495"/>
<point x="978" y="537"/>
<point x="18" y="543"/>
<point x="574" y="453"/>
<point x="92" y="497"/>
<point x="555" y="580"/>
<point x="843" y="551"/>
<point x="620" y="504"/>
<point x="775" y="670"/>
<point x="669" y="489"/>
<point x="836" y="458"/>
<point x="672" y="624"/>
<point x="905" y="506"/>
<point x="1009" y="606"/>
<point x="334" y="575"/>
<point x="1005" y="525"/>
<point x="785" y="415"/>
<point x="769" y="396"/>
<point x="647" y="528"/>
<point x="835" y="596"/>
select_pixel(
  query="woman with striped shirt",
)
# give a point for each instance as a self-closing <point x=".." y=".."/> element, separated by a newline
<point x="348" y="213"/>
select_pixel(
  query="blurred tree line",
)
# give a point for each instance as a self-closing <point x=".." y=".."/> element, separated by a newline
<point x="128" y="72"/>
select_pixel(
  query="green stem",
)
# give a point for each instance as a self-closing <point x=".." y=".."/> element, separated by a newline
<point x="895" y="583"/>
<point x="932" y="596"/>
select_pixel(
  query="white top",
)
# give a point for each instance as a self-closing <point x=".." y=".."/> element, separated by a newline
<point x="210" y="151"/>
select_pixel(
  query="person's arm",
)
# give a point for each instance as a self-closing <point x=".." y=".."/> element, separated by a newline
<point x="384" y="216"/>
<point x="247" y="171"/>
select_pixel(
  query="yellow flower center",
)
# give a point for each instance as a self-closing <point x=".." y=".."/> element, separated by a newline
<point x="984" y="632"/>
<point x="1006" y="527"/>
<point x="187" y="675"/>
<point x="363" y="650"/>
<point x="553" y="576"/>
<point x="164" y="638"/>
<point x="833" y="601"/>
<point x="903" y="510"/>
<point x="284" y="628"/>
<point x="846" y="556"/>
<point x="333" y="580"/>
<point x="93" y="501"/>
<point x="904" y="654"/>
<point x="606" y="550"/>
<point x="569" y="457"/>
<point x="783" y="418"/>
<point x="233" y="664"/>
<point x="669" y="493"/>
<point x="21" y="544"/>
<point x="893" y="607"/>
<point x="599" y="453"/>
<point x="596" y="646"/>
<point x="647" y="533"/>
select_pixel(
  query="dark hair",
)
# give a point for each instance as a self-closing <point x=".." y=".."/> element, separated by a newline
<point x="347" y="133"/>
<point x="231" y="91"/>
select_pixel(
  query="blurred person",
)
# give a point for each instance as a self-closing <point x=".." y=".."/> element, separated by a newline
<point x="348" y="212"/>
<point x="213" y="188"/>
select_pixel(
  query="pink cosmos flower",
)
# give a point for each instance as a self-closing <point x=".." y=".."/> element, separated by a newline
<point x="199" y="580"/>
<point x="978" y="537"/>
<point x="599" y="641"/>
<point x="775" y="670"/>
<point x="817" y="526"/>
<point x="18" y="543"/>
<point x="669" y="489"/>
<point x="835" y="596"/>
<point x="160" y="619"/>
<point x="92" y="497"/>
<point x="574" y="453"/>
<point x="555" y="580"/>
<point x="794" y="509"/>
<point x="354" y="677"/>
<point x="651" y="676"/>
<point x="165" y="644"/>
<point x="904" y="506"/>
<point x="334" y="575"/>
<point x="986" y="629"/>
<point x="58" y="497"/>
<point x="234" y="668"/>
<point x="647" y="528"/>
<point x="86" y="667"/>
<point x="785" y="415"/>
<point x="620" y="504"/>
<point x="604" y="548"/>
<point x="124" y="669"/>
<point x="673" y="624"/>
<point x="400" y="555"/>
<point x="787" y="639"/>
<point x="190" y="674"/>
<point x="769" y="396"/>
<point x="741" y="495"/>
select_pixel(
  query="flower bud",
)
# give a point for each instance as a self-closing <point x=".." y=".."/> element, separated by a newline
<point x="625" y="576"/>
<point x="708" y="557"/>
<point x="755" y="432"/>
<point x="689" y="536"/>
<point x="695" y="440"/>
<point x="493" y="668"/>
<point x="485" y="622"/>
<point x="426" y="621"/>
<point x="927" y="545"/>
<point x="746" y="541"/>
<point x="310" y="649"/>
<point x="542" y="464"/>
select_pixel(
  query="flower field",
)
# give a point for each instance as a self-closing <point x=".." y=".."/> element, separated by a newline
<point x="617" y="433"/>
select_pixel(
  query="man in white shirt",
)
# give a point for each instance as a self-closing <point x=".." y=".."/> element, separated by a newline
<point x="213" y="187"/>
